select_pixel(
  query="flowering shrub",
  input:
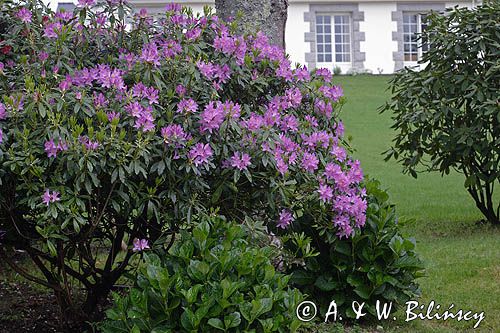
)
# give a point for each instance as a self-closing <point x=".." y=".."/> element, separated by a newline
<point x="116" y="129"/>
<point x="213" y="279"/>
<point x="378" y="263"/>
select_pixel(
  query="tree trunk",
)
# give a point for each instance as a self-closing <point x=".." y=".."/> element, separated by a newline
<point x="268" y="16"/>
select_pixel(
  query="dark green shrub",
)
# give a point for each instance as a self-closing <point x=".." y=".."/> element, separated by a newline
<point x="213" y="279"/>
<point x="447" y="116"/>
<point x="377" y="263"/>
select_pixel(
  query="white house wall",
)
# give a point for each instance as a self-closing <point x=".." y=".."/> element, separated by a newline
<point x="296" y="28"/>
<point x="378" y="44"/>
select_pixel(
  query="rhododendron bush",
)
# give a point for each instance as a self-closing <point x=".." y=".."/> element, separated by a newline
<point x="115" y="129"/>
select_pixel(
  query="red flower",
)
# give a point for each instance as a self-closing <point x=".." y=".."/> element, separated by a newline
<point x="6" y="49"/>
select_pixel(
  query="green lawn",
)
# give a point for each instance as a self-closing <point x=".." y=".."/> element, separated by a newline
<point x="462" y="256"/>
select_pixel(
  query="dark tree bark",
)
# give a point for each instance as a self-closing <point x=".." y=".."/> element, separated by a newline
<point x="268" y="16"/>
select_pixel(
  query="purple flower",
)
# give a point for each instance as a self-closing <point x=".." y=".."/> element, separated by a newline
<point x="309" y="162"/>
<point x="89" y="144"/>
<point x="325" y="192"/>
<point x="49" y="197"/>
<point x="51" y="148"/>
<point x="193" y="34"/>
<point x="150" y="54"/>
<point x="3" y="112"/>
<point x="65" y="84"/>
<point x="324" y="73"/>
<point x="212" y="117"/>
<point x="339" y="153"/>
<point x="200" y="153"/>
<point x="187" y="105"/>
<point x="333" y="93"/>
<point x="140" y="245"/>
<point x="174" y="134"/>
<point x="52" y="29"/>
<point x="100" y="101"/>
<point x="1" y="135"/>
<point x="173" y="7"/>
<point x="113" y="116"/>
<point x="285" y="219"/>
<point x="85" y="3"/>
<point x="24" y="15"/>
<point x="180" y="90"/>
<point x="241" y="161"/>
<point x="152" y="95"/>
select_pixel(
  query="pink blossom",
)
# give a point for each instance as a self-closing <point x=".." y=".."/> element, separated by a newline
<point x="174" y="134"/>
<point x="51" y="30"/>
<point x="140" y="245"/>
<point x="113" y="116"/>
<point x="324" y="73"/>
<point x="180" y="90"/>
<point x="1" y="135"/>
<point x="187" y="105"/>
<point x="24" y="14"/>
<point x="285" y="219"/>
<point x="200" y="153"/>
<point x="85" y="3"/>
<point x="150" y="54"/>
<point x="325" y="192"/>
<point x="49" y="197"/>
<point x="310" y="162"/>
<point x="3" y="112"/>
<point x="240" y="161"/>
<point x="212" y="117"/>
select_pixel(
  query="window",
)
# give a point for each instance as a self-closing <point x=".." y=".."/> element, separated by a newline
<point x="412" y="26"/>
<point x="333" y="45"/>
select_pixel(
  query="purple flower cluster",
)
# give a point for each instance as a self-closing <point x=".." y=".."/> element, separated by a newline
<point x="240" y="161"/>
<point x="88" y="144"/>
<point x="187" y="105"/>
<point x="200" y="153"/>
<point x="24" y="15"/>
<point x="143" y="116"/>
<point x="216" y="73"/>
<point x="232" y="46"/>
<point x="52" y="149"/>
<point x="3" y="111"/>
<point x="150" y="54"/>
<point x="174" y="134"/>
<point x="49" y="197"/>
<point x="140" y="245"/>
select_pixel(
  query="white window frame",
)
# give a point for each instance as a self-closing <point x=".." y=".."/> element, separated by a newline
<point x="412" y="35"/>
<point x="344" y="65"/>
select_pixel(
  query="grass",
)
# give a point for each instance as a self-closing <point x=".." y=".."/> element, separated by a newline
<point x="462" y="256"/>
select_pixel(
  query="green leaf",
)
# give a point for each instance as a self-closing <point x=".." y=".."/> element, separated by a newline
<point x="216" y="323"/>
<point x="232" y="320"/>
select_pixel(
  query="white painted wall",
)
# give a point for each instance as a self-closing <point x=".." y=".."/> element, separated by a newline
<point x="378" y="27"/>
<point x="295" y="31"/>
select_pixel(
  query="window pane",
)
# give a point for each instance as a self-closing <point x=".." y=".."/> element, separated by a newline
<point x="319" y="19"/>
<point x="328" y="58"/>
<point x="320" y="39"/>
<point x="320" y="48"/>
<point x="328" y="48"/>
<point x="328" y="39"/>
<point x="319" y="29"/>
<point x="326" y="19"/>
<point x="328" y="28"/>
<point x="321" y="58"/>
